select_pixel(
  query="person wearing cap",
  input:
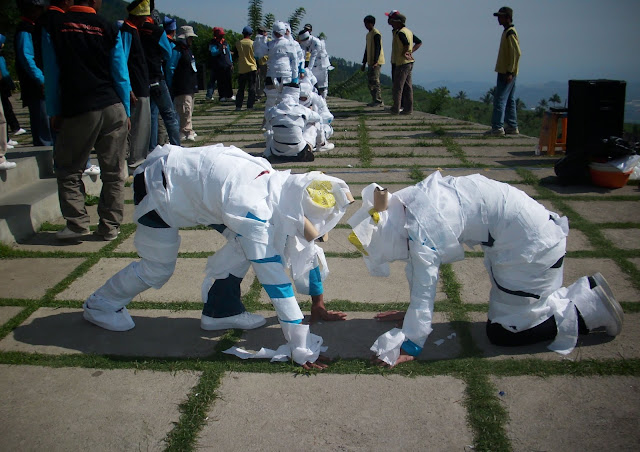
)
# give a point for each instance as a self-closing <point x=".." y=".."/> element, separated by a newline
<point x="260" y="52"/>
<point x="524" y="245"/>
<point x="88" y="95"/>
<point x="221" y="64"/>
<point x="182" y="79"/>
<point x="270" y="219"/>
<point x="247" y="69"/>
<point x="29" y="70"/>
<point x="282" y="65"/>
<point x="170" y="26"/>
<point x="157" y="52"/>
<point x="140" y="133"/>
<point x="374" y="58"/>
<point x="402" y="48"/>
<point x="286" y="124"/>
<point x="504" y="99"/>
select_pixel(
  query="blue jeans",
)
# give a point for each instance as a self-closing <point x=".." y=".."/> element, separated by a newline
<point x="161" y="103"/>
<point x="504" y="103"/>
<point x="40" y="131"/>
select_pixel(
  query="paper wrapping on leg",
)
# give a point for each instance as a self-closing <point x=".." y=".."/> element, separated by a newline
<point x="302" y="346"/>
<point x="387" y="346"/>
<point x="566" y="317"/>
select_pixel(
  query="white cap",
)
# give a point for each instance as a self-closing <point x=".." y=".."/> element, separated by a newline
<point x="279" y="27"/>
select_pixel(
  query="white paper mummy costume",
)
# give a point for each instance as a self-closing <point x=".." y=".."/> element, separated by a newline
<point x="318" y="132"/>
<point x="286" y="124"/>
<point x="282" y="64"/>
<point x="318" y="59"/>
<point x="270" y="219"/>
<point x="523" y="243"/>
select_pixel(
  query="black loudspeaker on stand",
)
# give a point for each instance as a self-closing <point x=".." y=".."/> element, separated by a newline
<point x="596" y="112"/>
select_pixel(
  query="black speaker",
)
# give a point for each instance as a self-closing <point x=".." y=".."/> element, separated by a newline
<point x="596" y="112"/>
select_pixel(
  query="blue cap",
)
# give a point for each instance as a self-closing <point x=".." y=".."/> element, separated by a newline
<point x="169" y="23"/>
<point x="247" y="30"/>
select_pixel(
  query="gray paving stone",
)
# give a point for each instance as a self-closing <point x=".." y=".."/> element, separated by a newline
<point x="322" y="162"/>
<point x="46" y="241"/>
<point x="32" y="277"/>
<point x="94" y="218"/>
<point x="571" y="413"/>
<point x="359" y="413"/>
<point x="371" y="175"/>
<point x="9" y="312"/>
<point x="439" y="151"/>
<point x="607" y="211"/>
<point x="508" y="161"/>
<point x="408" y="142"/>
<point x="431" y="162"/>
<point x="349" y="280"/>
<point x="192" y="241"/>
<point x="59" y="409"/>
<point x="590" y="190"/>
<point x="596" y="345"/>
<point x="184" y="285"/>
<point x="502" y="151"/>
<point x="505" y="141"/>
<point x="158" y="333"/>
<point x="626" y="239"/>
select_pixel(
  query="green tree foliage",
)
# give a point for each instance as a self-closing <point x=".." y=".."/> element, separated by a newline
<point x="520" y="104"/>
<point x="555" y="99"/>
<point x="488" y="96"/>
<point x="461" y="95"/>
<point x="255" y="14"/>
<point x="269" y="20"/>
<point x="295" y="18"/>
<point x="438" y="100"/>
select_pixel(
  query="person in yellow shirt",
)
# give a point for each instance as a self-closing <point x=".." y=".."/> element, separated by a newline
<point x="247" y="69"/>
<point x="402" y="48"/>
<point x="505" y="118"/>
<point x="374" y="57"/>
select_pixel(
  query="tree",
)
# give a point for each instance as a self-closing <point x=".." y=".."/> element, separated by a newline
<point x="488" y="97"/>
<point x="520" y="105"/>
<point x="438" y="99"/>
<point x="269" y="20"/>
<point x="294" y="20"/>
<point x="555" y="99"/>
<point x="461" y="95"/>
<point x="255" y="14"/>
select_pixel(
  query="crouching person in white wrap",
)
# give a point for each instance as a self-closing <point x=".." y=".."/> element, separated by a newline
<point x="270" y="219"/>
<point x="524" y="247"/>
<point x="321" y="131"/>
<point x="286" y="124"/>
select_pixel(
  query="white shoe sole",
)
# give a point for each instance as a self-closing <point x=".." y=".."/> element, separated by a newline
<point x="610" y="302"/>
<point x="112" y="321"/>
<point x="226" y="323"/>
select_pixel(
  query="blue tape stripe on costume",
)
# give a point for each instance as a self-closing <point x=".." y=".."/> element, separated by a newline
<point x="279" y="290"/>
<point x="266" y="260"/>
<point x="291" y="321"/>
<point x="411" y="348"/>
<point x="253" y="217"/>
<point x="315" y="282"/>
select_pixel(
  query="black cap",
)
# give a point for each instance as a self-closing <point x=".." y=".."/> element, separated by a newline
<point x="261" y="29"/>
<point x="308" y="27"/>
<point x="504" y="11"/>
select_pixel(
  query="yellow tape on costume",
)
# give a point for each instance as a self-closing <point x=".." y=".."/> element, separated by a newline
<point x="355" y="241"/>
<point x="320" y="192"/>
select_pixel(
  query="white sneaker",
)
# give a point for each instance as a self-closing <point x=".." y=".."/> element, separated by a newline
<point x="12" y="142"/>
<point x="20" y="131"/>
<point x="191" y="137"/>
<point x="10" y="146"/>
<point x="614" y="325"/>
<point x="68" y="234"/>
<point x="93" y="170"/>
<point x="99" y="313"/>
<point x="326" y="147"/>
<point x="244" y="321"/>
<point x="495" y="132"/>
<point x="7" y="165"/>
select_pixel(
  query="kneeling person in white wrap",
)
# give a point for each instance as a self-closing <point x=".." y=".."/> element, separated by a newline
<point x="270" y="219"/>
<point x="524" y="246"/>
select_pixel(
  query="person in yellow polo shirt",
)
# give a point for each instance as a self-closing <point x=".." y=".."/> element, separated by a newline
<point x="247" y="69"/>
<point x="402" y="48"/>
<point x="374" y="57"/>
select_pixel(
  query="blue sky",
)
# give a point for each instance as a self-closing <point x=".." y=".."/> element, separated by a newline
<point x="560" y="39"/>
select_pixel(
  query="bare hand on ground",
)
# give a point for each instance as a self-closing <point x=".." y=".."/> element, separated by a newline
<point x="390" y="316"/>
<point x="319" y="312"/>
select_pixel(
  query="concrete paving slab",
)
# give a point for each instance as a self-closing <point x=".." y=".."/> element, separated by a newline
<point x="596" y="345"/>
<point x="321" y="162"/>
<point x="32" y="277"/>
<point x="571" y="413"/>
<point x="371" y="175"/>
<point x="353" y="338"/>
<point x="429" y="162"/>
<point x="626" y="239"/>
<point x="370" y="403"/>
<point x="503" y="151"/>
<point x="607" y="211"/>
<point x="158" y="333"/>
<point x="528" y="189"/>
<point x="552" y="183"/>
<point x="504" y="141"/>
<point x="439" y="151"/>
<point x="94" y="217"/>
<point x="9" y="312"/>
<point x="508" y="161"/>
<point x="577" y="241"/>
<point x="47" y="242"/>
<point x="70" y="408"/>
<point x="474" y="281"/>
<point x="184" y="285"/>
<point x="350" y="280"/>
<point x="192" y="241"/>
<point x="396" y="141"/>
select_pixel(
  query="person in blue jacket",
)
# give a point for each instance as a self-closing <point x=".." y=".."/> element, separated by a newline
<point x="87" y="92"/>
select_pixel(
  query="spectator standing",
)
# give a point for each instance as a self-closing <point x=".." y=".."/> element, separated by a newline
<point x="6" y="88"/>
<point x="260" y="51"/>
<point x="221" y="65"/>
<point x="374" y="58"/>
<point x="247" y="69"/>
<point x="504" y="101"/>
<point x="87" y="91"/>
<point x="30" y="74"/>
<point x="402" y="48"/>
<point x="4" y="163"/>
<point x="183" y="80"/>
<point x="157" y="51"/>
<point x="138" y="139"/>
<point x="170" y="26"/>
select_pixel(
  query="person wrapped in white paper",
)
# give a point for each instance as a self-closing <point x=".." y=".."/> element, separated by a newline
<point x="524" y="246"/>
<point x="270" y="220"/>
<point x="318" y="132"/>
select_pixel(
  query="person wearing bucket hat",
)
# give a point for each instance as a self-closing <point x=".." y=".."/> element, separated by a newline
<point x="182" y="79"/>
<point x="270" y="219"/>
<point x="524" y="246"/>
<point x="247" y="69"/>
<point x="404" y="44"/>
<point x="504" y="119"/>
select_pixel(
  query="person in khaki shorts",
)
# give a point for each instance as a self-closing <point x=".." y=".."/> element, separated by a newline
<point x="87" y="93"/>
<point x="374" y="57"/>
